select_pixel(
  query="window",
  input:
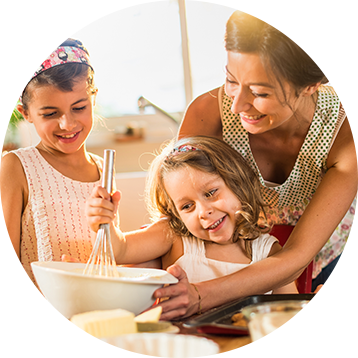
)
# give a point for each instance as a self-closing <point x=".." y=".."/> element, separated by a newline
<point x="137" y="52"/>
<point x="136" y="45"/>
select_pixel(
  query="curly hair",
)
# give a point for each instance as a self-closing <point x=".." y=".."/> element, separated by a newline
<point x="213" y="156"/>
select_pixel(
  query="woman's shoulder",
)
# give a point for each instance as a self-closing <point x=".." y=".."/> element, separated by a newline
<point x="202" y="117"/>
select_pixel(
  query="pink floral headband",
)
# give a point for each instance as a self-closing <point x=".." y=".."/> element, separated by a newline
<point x="181" y="149"/>
<point x="47" y="59"/>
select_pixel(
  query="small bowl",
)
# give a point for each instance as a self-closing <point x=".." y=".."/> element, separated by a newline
<point x="70" y="292"/>
<point x="281" y="324"/>
<point x="24" y="324"/>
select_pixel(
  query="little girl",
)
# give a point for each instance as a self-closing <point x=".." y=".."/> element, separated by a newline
<point x="211" y="200"/>
<point x="44" y="188"/>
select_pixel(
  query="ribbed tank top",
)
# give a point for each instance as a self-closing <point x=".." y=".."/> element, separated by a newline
<point x="53" y="222"/>
<point x="200" y="268"/>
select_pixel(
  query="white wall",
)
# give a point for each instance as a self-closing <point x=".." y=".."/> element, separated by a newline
<point x="132" y="211"/>
<point x="8" y="40"/>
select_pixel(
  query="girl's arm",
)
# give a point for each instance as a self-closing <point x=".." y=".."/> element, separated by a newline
<point x="330" y="203"/>
<point x="14" y="193"/>
<point x="202" y="117"/>
<point x="133" y="247"/>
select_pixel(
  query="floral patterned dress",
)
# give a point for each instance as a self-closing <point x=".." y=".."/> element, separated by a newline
<point x="288" y="201"/>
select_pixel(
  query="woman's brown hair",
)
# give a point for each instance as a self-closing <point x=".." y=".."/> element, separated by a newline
<point x="282" y="57"/>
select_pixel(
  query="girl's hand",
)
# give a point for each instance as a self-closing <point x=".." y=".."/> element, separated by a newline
<point x="183" y="299"/>
<point x="101" y="207"/>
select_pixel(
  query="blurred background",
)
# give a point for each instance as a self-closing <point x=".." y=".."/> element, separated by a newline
<point x="150" y="61"/>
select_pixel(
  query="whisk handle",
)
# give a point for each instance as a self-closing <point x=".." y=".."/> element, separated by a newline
<point x="108" y="169"/>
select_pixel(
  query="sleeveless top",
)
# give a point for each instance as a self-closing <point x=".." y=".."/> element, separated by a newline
<point x="200" y="268"/>
<point x="287" y="201"/>
<point x="53" y="222"/>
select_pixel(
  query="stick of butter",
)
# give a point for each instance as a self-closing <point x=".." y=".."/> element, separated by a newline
<point x="106" y="323"/>
<point x="151" y="315"/>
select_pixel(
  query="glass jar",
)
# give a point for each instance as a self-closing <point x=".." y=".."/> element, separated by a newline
<point x="339" y="322"/>
<point x="281" y="324"/>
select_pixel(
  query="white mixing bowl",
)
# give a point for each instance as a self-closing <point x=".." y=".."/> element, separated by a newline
<point x="71" y="292"/>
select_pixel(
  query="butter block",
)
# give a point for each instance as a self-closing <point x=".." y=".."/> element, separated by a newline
<point x="106" y="323"/>
<point x="152" y="315"/>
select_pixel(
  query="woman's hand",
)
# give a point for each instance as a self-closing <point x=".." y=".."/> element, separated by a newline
<point x="101" y="207"/>
<point x="183" y="299"/>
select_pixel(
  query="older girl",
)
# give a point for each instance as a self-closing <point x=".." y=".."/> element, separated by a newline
<point x="44" y="187"/>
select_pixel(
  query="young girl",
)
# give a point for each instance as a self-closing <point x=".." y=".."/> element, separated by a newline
<point x="211" y="200"/>
<point x="44" y="188"/>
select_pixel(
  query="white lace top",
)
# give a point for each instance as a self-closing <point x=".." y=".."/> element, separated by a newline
<point x="53" y="222"/>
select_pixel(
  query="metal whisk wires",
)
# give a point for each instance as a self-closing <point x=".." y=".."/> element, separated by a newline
<point x="101" y="261"/>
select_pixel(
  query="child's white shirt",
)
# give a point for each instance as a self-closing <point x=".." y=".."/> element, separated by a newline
<point x="200" y="268"/>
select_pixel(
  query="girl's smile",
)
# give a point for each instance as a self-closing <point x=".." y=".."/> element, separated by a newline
<point x="63" y="120"/>
<point x="204" y="203"/>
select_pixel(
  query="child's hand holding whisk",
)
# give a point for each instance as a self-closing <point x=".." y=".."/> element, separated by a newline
<point x="102" y="207"/>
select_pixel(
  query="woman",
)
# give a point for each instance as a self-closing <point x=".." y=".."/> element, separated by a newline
<point x="276" y="111"/>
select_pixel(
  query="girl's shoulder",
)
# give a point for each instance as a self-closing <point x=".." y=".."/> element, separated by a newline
<point x="13" y="174"/>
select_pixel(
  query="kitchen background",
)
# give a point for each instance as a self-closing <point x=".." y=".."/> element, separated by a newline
<point x="151" y="57"/>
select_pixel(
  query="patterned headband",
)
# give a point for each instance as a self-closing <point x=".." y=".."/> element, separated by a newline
<point x="47" y="59"/>
<point x="181" y="149"/>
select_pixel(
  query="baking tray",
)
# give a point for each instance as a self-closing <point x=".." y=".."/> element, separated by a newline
<point x="218" y="320"/>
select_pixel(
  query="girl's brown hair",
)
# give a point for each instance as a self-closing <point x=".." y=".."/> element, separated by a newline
<point x="63" y="77"/>
<point x="213" y="156"/>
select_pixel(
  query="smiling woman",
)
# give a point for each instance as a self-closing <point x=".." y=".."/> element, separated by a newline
<point x="277" y="110"/>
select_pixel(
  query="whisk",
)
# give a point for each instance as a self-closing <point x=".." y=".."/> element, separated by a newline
<point x="101" y="261"/>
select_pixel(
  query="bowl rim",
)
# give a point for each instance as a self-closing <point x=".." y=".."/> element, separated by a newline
<point x="165" y="277"/>
<point x="102" y="344"/>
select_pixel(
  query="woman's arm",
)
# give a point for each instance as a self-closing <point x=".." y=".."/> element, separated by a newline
<point x="325" y="211"/>
<point x="14" y="193"/>
<point x="289" y="288"/>
<point x="202" y="117"/>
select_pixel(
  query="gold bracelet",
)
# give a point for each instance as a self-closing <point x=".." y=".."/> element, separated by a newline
<point x="196" y="289"/>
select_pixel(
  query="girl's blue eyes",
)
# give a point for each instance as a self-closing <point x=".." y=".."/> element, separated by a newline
<point x="209" y="194"/>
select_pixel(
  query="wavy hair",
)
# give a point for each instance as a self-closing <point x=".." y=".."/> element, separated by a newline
<point x="215" y="157"/>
